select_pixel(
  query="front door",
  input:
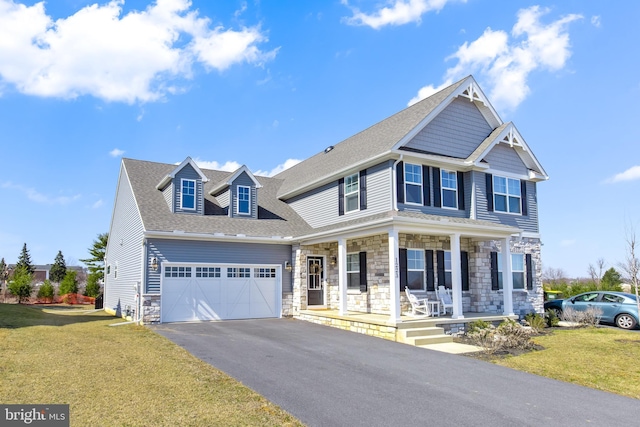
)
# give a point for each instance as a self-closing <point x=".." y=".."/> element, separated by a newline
<point x="315" y="282"/>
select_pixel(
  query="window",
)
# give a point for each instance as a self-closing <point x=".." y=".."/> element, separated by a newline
<point x="264" y="272"/>
<point x="177" y="272"/>
<point x="415" y="269"/>
<point x="353" y="271"/>
<point x="413" y="183"/>
<point x="517" y="270"/>
<point x="506" y="195"/>
<point x="188" y="194"/>
<point x="108" y="269"/>
<point x="244" y="196"/>
<point x="238" y="272"/>
<point x="449" y="185"/>
<point x="351" y="193"/>
<point x="448" y="281"/>
<point x="115" y="271"/>
<point x="612" y="298"/>
<point x="207" y="271"/>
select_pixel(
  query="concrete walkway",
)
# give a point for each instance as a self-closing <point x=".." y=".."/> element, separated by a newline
<point x="330" y="377"/>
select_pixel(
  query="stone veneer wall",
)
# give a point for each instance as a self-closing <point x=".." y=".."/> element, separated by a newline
<point x="150" y="309"/>
<point x="479" y="299"/>
<point x="380" y="331"/>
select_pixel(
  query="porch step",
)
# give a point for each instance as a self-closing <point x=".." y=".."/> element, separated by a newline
<point x="419" y="336"/>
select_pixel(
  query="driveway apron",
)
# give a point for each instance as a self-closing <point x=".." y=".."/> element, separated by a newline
<point x="330" y="377"/>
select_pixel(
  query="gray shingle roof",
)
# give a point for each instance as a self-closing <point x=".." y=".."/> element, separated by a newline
<point x="376" y="140"/>
<point x="276" y="218"/>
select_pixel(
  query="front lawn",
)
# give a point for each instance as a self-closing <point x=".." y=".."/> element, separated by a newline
<point x="600" y="358"/>
<point x="123" y="375"/>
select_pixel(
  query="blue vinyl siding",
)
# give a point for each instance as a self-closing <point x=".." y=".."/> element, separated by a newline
<point x="243" y="180"/>
<point x="504" y="158"/>
<point x="167" y="193"/>
<point x="378" y="199"/>
<point x="168" y="250"/>
<point x="124" y="249"/>
<point x="456" y="131"/>
<point x="527" y="222"/>
<point x="188" y="172"/>
<point x="432" y="210"/>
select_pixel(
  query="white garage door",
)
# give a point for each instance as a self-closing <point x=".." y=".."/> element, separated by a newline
<point x="215" y="292"/>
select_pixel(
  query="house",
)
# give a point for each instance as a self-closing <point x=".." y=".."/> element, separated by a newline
<point x="443" y="193"/>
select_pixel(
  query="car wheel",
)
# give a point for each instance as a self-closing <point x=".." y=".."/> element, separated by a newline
<point x="626" y="321"/>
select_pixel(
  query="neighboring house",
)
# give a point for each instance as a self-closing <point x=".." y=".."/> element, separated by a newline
<point x="41" y="272"/>
<point x="441" y="193"/>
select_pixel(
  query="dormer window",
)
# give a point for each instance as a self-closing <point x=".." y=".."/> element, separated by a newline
<point x="244" y="200"/>
<point x="351" y="193"/>
<point x="188" y="199"/>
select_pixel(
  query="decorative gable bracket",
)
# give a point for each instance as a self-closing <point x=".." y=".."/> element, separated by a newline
<point x="473" y="93"/>
<point x="513" y="138"/>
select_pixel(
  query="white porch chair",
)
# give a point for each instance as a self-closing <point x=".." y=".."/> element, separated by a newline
<point x="446" y="302"/>
<point x="419" y="306"/>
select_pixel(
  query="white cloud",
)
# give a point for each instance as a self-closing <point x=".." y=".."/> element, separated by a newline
<point x="595" y="21"/>
<point x="97" y="204"/>
<point x="116" y="152"/>
<point x="505" y="61"/>
<point x="35" y="196"/>
<point x="286" y="165"/>
<point x="229" y="166"/>
<point x="399" y="12"/>
<point x="630" y="174"/>
<point x="99" y="51"/>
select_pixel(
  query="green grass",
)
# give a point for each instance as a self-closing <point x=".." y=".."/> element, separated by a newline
<point x="604" y="359"/>
<point x="118" y="376"/>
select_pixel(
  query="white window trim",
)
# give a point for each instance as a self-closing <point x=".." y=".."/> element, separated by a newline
<point x="195" y="192"/>
<point x="357" y="193"/>
<point x="444" y="268"/>
<point x="424" y="268"/>
<point x="353" y="290"/>
<point x="513" y="271"/>
<point x="507" y="212"/>
<point x="413" y="183"/>
<point x="238" y="200"/>
<point x="442" y="189"/>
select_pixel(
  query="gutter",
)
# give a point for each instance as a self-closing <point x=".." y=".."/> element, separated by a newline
<point x="178" y="234"/>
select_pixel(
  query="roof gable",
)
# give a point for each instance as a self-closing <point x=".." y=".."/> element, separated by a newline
<point x="169" y="177"/>
<point x="229" y="180"/>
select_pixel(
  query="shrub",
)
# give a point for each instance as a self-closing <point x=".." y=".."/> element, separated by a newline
<point x="477" y="325"/>
<point x="536" y="322"/>
<point x="552" y="318"/>
<point x="589" y="317"/>
<point x="20" y="286"/>
<point x="508" y="335"/>
<point x="46" y="291"/>
<point x="69" y="284"/>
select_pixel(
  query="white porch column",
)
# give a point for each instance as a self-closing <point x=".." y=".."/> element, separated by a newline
<point x="456" y="276"/>
<point x="394" y="277"/>
<point x="507" y="277"/>
<point x="342" y="275"/>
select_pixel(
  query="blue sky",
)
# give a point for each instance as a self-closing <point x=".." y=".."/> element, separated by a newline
<point x="263" y="83"/>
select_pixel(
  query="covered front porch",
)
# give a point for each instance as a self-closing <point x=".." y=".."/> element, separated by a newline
<point x="460" y="252"/>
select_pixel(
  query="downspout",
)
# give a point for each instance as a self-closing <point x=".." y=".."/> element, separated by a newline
<point x="394" y="192"/>
<point x="143" y="281"/>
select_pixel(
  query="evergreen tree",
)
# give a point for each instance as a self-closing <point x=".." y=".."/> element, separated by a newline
<point x="20" y="286"/>
<point x="611" y="280"/>
<point x="93" y="286"/>
<point x="69" y="285"/>
<point x="97" y="252"/>
<point x="46" y="291"/>
<point x="59" y="269"/>
<point x="4" y="273"/>
<point x="24" y="261"/>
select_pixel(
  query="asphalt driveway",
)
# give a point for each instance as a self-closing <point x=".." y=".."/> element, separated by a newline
<point x="329" y="377"/>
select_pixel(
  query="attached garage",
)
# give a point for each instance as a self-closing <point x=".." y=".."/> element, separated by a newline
<point x="195" y="292"/>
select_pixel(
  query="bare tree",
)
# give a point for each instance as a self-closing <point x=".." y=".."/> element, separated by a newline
<point x="554" y="275"/>
<point x="631" y="265"/>
<point x="596" y="272"/>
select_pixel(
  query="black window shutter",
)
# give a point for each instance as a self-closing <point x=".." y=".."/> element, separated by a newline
<point x="403" y="269"/>
<point x="426" y="187"/>
<point x="363" y="271"/>
<point x="529" y="266"/>
<point x="489" y="179"/>
<point x="523" y="194"/>
<point x="464" y="261"/>
<point x="440" y="261"/>
<point x="400" y="181"/>
<point x="494" y="271"/>
<point x="341" y="196"/>
<point x="460" y="191"/>
<point x="428" y="255"/>
<point x="363" y="190"/>
<point x="436" y="187"/>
